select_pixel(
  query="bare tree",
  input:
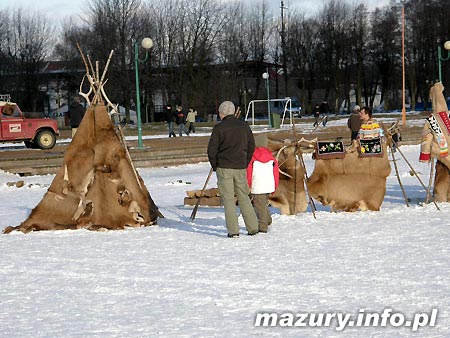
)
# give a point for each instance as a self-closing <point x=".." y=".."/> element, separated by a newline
<point x="28" y="41"/>
<point x="303" y="52"/>
<point x="202" y="23"/>
<point x="117" y="24"/>
<point x="260" y="31"/>
<point x="166" y="30"/>
<point x="6" y="64"/>
<point x="334" y="33"/>
<point x="427" y="27"/>
<point x="356" y="58"/>
<point x="186" y="37"/>
<point x="385" y="52"/>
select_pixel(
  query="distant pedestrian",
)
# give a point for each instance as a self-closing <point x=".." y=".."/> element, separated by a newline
<point x="263" y="177"/>
<point x="324" y="108"/>
<point x="316" y="114"/>
<point x="181" y="120"/>
<point x="76" y="113"/>
<point x="170" y="119"/>
<point x="354" y="122"/>
<point x="230" y="150"/>
<point x="190" y="120"/>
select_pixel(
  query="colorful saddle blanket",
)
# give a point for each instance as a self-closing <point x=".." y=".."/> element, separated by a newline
<point x="435" y="127"/>
<point x="326" y="150"/>
<point x="370" y="147"/>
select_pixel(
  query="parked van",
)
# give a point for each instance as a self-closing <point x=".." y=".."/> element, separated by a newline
<point x="290" y="104"/>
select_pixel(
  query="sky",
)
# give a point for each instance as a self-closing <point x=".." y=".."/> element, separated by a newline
<point x="53" y="8"/>
<point x="65" y="8"/>
<point x="187" y="279"/>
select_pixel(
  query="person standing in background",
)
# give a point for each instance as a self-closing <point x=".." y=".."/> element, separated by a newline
<point x="190" y="120"/>
<point x="316" y="114"/>
<point x="170" y="118"/>
<point x="324" y="108"/>
<point x="76" y="113"/>
<point x="181" y="119"/>
<point x="354" y="122"/>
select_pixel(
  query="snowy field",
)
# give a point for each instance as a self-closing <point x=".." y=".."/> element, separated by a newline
<point x="184" y="279"/>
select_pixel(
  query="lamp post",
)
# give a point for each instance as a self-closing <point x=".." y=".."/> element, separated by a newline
<point x="265" y="76"/>
<point x="403" y="68"/>
<point x="440" y="58"/>
<point x="146" y="43"/>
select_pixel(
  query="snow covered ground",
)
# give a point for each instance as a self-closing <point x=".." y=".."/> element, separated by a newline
<point x="184" y="279"/>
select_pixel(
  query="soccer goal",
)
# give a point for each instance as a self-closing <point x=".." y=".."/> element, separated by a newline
<point x="261" y="109"/>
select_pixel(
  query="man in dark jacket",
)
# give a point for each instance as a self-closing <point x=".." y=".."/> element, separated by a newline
<point x="181" y="120"/>
<point x="170" y="118"/>
<point x="324" y="108"/>
<point x="230" y="150"/>
<point x="76" y="112"/>
<point x="316" y="113"/>
<point x="354" y="122"/>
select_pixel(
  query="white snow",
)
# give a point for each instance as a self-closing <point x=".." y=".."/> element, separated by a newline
<point x="187" y="279"/>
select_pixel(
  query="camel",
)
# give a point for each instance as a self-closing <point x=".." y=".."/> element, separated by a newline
<point x="434" y="144"/>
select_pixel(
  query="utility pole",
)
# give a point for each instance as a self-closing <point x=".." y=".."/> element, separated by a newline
<point x="403" y="68"/>
<point x="283" y="49"/>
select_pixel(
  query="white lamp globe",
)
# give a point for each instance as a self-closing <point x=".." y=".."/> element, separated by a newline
<point x="447" y="45"/>
<point x="147" y="43"/>
<point x="265" y="76"/>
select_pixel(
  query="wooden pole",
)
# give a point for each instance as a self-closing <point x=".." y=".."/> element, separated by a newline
<point x="398" y="176"/>
<point x="403" y="68"/>
<point x="305" y="180"/>
<point x="415" y="173"/>
<point x="305" y="174"/>
<point x="194" y="212"/>
<point x="430" y="181"/>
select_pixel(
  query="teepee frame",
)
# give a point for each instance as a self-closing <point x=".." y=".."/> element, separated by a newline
<point x="96" y="83"/>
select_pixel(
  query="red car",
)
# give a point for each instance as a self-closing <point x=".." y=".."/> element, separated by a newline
<point x="34" y="132"/>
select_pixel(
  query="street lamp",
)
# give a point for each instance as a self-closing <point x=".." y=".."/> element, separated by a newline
<point x="265" y="76"/>
<point x="403" y="68"/>
<point x="440" y="58"/>
<point x="146" y="43"/>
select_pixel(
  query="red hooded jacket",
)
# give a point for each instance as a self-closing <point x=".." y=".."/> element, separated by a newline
<point x="262" y="155"/>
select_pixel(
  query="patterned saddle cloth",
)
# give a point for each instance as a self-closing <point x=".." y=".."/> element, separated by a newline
<point x="326" y="150"/>
<point x="370" y="147"/>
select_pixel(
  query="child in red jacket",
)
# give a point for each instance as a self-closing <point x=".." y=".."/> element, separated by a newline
<point x="262" y="177"/>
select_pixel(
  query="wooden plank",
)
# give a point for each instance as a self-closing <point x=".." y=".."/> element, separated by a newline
<point x="204" y="201"/>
